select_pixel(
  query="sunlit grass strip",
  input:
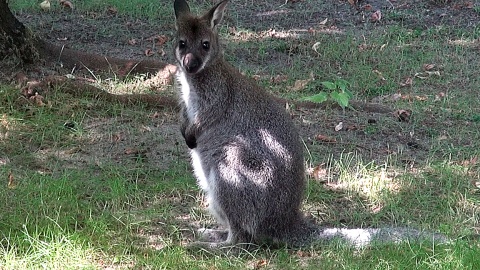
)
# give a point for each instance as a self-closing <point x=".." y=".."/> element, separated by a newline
<point x="52" y="249"/>
<point x="368" y="179"/>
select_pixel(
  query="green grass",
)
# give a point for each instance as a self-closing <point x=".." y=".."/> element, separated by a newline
<point x="69" y="206"/>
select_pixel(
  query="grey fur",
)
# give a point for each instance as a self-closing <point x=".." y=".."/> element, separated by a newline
<point x="246" y="152"/>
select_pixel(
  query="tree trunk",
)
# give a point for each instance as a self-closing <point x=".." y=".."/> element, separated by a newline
<point x="15" y="37"/>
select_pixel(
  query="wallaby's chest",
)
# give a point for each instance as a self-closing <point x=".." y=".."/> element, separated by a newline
<point x="188" y="96"/>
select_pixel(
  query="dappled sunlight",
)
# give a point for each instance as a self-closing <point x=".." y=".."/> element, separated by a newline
<point x="245" y="35"/>
<point x="55" y="249"/>
<point x="7" y="126"/>
<point x="369" y="180"/>
<point x="465" y="42"/>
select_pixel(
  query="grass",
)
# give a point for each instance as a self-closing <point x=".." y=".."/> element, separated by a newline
<point x="116" y="191"/>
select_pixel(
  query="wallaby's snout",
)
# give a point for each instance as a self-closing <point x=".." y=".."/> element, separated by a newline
<point x="191" y="63"/>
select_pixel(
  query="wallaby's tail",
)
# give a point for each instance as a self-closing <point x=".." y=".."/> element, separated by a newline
<point x="372" y="236"/>
<point x="308" y="233"/>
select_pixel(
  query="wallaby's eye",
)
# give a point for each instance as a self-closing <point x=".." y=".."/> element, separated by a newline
<point x="206" y="45"/>
<point x="182" y="44"/>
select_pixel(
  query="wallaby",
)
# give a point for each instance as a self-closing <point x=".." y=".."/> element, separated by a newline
<point x="246" y="153"/>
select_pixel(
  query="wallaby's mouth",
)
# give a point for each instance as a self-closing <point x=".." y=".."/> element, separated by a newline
<point x="191" y="63"/>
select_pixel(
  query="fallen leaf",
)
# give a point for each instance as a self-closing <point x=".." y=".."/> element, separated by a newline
<point x="315" y="46"/>
<point x="353" y="2"/>
<point x="436" y="73"/>
<point x="260" y="264"/>
<point x="339" y="126"/>
<point x="45" y="5"/>
<point x="408" y="82"/>
<point x="301" y="84"/>
<point x="131" y="151"/>
<point x="442" y="138"/>
<point x="149" y="52"/>
<point x="323" y="22"/>
<point x="380" y="75"/>
<point x="376" y="16"/>
<point x="326" y="139"/>
<point x="62" y="39"/>
<point x="351" y="127"/>
<point x="38" y="99"/>
<point x="279" y="79"/>
<point x="403" y="115"/>
<point x="318" y="173"/>
<point x="367" y="7"/>
<point x="112" y="10"/>
<point x="132" y="41"/>
<point x="428" y="67"/>
<point x="116" y="137"/>
<point x="470" y="162"/>
<point x="439" y="96"/>
<point x="11" y="181"/>
<point x="66" y="4"/>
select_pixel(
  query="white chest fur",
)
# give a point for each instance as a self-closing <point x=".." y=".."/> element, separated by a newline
<point x="188" y="95"/>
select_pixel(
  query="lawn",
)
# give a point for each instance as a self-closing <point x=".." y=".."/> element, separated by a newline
<point x="95" y="184"/>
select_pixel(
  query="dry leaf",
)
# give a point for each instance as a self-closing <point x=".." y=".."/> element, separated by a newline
<point x="45" y="5"/>
<point x="439" y="96"/>
<point x="116" y="137"/>
<point x="300" y="84"/>
<point x="380" y="75"/>
<point x="425" y="75"/>
<point x="315" y="46"/>
<point x="318" y="173"/>
<point x="324" y="21"/>
<point x="408" y="82"/>
<point x="132" y="41"/>
<point x="428" y="67"/>
<point x="38" y="99"/>
<point x="260" y="264"/>
<point x="352" y="127"/>
<point x="339" y="126"/>
<point x="279" y="79"/>
<point x="353" y="2"/>
<point x="159" y="39"/>
<point x="403" y="115"/>
<point x="367" y="7"/>
<point x="149" y="52"/>
<point x="112" y="10"/>
<point x="131" y="151"/>
<point x="442" y="138"/>
<point x="376" y="16"/>
<point x="11" y="181"/>
<point x="66" y="4"/>
<point x="326" y="139"/>
<point x="470" y="162"/>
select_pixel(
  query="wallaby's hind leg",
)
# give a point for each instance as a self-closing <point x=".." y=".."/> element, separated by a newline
<point x="229" y="240"/>
<point x="213" y="235"/>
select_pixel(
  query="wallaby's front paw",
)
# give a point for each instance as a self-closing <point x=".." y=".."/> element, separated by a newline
<point x="191" y="142"/>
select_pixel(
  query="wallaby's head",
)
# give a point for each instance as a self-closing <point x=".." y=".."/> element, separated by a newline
<point x="197" y="39"/>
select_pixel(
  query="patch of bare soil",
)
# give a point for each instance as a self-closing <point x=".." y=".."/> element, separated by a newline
<point x="375" y="136"/>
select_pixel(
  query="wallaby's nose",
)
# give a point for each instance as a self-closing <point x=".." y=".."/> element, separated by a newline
<point x="191" y="63"/>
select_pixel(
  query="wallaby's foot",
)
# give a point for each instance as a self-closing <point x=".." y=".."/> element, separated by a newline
<point x="212" y="235"/>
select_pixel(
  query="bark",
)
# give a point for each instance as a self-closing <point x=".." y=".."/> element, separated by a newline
<point x="15" y="37"/>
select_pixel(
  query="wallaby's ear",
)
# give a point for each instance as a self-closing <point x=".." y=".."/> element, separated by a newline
<point x="215" y="15"/>
<point x="181" y="8"/>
